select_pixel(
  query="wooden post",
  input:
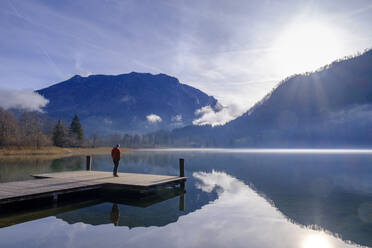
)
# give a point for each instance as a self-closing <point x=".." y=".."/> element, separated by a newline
<point x="182" y="167"/>
<point x="55" y="197"/>
<point x="182" y="203"/>
<point x="89" y="163"/>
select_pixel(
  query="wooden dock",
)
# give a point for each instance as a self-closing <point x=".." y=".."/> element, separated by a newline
<point x="55" y="184"/>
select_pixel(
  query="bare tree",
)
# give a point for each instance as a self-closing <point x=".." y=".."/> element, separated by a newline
<point x="31" y="130"/>
<point x="95" y="139"/>
<point x="113" y="139"/>
<point x="9" y="131"/>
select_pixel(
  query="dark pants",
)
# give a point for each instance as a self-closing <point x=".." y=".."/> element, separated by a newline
<point x="115" y="214"/>
<point x="116" y="165"/>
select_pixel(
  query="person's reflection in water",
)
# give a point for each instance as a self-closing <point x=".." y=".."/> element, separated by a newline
<point x="115" y="214"/>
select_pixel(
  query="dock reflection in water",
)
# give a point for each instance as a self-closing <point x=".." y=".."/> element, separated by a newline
<point x="103" y="207"/>
<point x="158" y="209"/>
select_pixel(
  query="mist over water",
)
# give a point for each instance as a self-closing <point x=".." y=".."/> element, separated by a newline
<point x="245" y="150"/>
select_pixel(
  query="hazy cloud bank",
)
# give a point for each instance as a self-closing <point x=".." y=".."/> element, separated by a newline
<point x="22" y="99"/>
<point x="209" y="116"/>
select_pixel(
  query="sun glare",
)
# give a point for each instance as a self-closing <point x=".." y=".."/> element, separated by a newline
<point x="316" y="241"/>
<point x="305" y="47"/>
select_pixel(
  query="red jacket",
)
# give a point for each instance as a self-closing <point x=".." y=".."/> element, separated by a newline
<point x="115" y="153"/>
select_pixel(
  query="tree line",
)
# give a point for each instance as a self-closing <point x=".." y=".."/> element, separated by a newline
<point x="35" y="130"/>
<point x="72" y="136"/>
<point x="155" y="139"/>
<point x="30" y="129"/>
<point x="162" y="138"/>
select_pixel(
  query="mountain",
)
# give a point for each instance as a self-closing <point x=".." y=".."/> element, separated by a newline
<point x="126" y="103"/>
<point x="329" y="107"/>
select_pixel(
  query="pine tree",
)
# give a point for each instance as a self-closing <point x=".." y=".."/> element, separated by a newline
<point x="76" y="130"/>
<point x="59" y="134"/>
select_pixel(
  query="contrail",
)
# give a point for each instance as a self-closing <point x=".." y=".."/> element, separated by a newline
<point x="16" y="12"/>
<point x="359" y="11"/>
<point x="51" y="61"/>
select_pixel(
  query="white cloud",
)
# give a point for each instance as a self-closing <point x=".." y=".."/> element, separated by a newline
<point x="177" y="118"/>
<point x="209" y="116"/>
<point x="107" y="121"/>
<point x="22" y="99"/>
<point x="177" y="121"/>
<point x="153" y="118"/>
<point x="126" y="99"/>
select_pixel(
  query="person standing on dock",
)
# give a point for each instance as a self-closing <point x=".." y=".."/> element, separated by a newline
<point x="116" y="155"/>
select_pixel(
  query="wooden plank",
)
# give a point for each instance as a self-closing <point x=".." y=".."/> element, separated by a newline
<point x="39" y="188"/>
<point x="134" y="179"/>
<point x="19" y="198"/>
<point x="63" y="182"/>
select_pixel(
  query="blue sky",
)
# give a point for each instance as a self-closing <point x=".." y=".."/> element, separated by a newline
<point x="235" y="50"/>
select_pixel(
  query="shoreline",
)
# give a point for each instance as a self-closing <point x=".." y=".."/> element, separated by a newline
<point x="52" y="152"/>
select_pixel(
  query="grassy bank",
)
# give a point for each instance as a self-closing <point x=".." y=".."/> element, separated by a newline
<point x="50" y="152"/>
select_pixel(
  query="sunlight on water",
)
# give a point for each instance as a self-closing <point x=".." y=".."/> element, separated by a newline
<point x="247" y="215"/>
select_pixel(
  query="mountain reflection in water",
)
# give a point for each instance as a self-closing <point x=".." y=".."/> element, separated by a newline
<point x="234" y="198"/>
<point x="239" y="217"/>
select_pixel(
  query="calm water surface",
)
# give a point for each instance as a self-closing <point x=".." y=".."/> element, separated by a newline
<point x="233" y="199"/>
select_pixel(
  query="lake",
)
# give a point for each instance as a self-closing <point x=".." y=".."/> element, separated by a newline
<point x="234" y="198"/>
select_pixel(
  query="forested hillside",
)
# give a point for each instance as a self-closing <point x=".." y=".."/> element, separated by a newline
<point x="329" y="107"/>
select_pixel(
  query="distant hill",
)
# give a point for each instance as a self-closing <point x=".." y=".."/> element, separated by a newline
<point x="126" y="103"/>
<point x="329" y="107"/>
